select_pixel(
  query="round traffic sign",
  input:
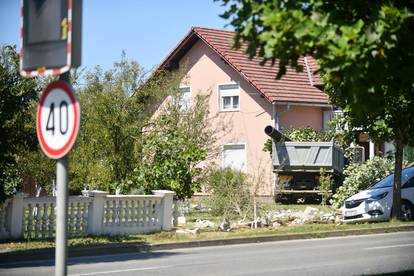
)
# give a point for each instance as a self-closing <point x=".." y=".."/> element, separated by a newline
<point x="58" y="119"/>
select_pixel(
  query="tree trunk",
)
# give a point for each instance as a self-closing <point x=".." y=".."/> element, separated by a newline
<point x="396" y="202"/>
<point x="255" y="211"/>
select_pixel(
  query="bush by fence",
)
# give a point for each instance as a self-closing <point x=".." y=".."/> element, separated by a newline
<point x="361" y="176"/>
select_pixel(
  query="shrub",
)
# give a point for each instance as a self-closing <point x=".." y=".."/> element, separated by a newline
<point x="12" y="181"/>
<point x="174" y="147"/>
<point x="308" y="134"/>
<point x="361" y="176"/>
<point x="267" y="147"/>
<point x="229" y="192"/>
<point x="325" y="184"/>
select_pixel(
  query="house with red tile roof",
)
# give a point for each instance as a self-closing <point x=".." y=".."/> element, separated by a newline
<point x="246" y="97"/>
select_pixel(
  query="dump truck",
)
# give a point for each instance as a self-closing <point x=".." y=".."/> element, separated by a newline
<point x="297" y="167"/>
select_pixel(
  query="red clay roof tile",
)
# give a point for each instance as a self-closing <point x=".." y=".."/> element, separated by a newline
<point x="292" y="87"/>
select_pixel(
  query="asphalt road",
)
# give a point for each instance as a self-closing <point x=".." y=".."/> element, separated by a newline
<point x="355" y="255"/>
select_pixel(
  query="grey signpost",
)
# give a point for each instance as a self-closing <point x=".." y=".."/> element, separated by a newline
<point x="51" y="45"/>
<point x="62" y="168"/>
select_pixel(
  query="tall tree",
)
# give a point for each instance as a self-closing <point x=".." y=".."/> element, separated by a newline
<point x="175" y="143"/>
<point x="116" y="106"/>
<point x="16" y="129"/>
<point x="105" y="153"/>
<point x="365" y="55"/>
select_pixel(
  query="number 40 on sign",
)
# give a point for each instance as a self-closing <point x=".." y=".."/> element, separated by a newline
<point x="58" y="119"/>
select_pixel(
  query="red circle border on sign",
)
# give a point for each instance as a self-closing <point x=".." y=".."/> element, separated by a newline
<point x="58" y="153"/>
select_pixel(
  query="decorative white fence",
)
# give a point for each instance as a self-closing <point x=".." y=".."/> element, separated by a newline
<point x="97" y="214"/>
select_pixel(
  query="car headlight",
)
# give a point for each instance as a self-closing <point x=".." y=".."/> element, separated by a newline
<point x="377" y="197"/>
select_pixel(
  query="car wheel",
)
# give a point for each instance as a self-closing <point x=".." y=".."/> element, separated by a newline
<point x="407" y="211"/>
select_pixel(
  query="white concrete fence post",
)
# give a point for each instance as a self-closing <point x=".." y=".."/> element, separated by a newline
<point x="128" y="214"/>
<point x="96" y="212"/>
<point x="167" y="205"/>
<point x="17" y="215"/>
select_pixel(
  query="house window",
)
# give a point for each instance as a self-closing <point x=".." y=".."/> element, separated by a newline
<point x="327" y="117"/>
<point x="234" y="157"/>
<point x="229" y="97"/>
<point x="185" y="98"/>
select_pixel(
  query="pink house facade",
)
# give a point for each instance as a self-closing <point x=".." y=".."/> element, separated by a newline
<point x="245" y="98"/>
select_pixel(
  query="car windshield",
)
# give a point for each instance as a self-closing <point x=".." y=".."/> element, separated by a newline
<point x="384" y="183"/>
<point x="389" y="180"/>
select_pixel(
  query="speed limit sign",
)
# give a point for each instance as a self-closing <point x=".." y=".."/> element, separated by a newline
<point x="58" y="119"/>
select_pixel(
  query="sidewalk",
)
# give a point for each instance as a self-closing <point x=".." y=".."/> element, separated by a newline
<point x="48" y="253"/>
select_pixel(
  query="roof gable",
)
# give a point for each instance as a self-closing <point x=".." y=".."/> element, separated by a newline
<point x="292" y="87"/>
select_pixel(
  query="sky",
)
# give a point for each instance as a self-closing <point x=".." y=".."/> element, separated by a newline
<point x="147" y="30"/>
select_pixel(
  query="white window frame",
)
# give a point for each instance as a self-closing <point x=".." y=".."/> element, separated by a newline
<point x="234" y="144"/>
<point x="220" y="101"/>
<point x="334" y="114"/>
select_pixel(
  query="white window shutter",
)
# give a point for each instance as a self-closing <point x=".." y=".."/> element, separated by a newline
<point x="234" y="156"/>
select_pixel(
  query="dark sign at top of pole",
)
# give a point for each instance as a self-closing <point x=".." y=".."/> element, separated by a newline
<point x="50" y="36"/>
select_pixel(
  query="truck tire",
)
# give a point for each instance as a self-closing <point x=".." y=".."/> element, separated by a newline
<point x="407" y="210"/>
<point x="282" y="198"/>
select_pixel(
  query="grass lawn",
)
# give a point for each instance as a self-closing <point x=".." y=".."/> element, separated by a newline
<point x="192" y="216"/>
<point x="170" y="237"/>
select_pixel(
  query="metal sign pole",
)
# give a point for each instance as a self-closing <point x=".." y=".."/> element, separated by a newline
<point x="62" y="168"/>
<point x="50" y="39"/>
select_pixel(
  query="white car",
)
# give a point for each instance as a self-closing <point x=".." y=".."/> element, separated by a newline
<point x="375" y="204"/>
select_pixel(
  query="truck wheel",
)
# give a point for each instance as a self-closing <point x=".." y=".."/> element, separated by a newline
<point x="407" y="210"/>
<point x="280" y="199"/>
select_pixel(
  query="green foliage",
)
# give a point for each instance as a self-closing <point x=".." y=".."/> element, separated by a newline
<point x="364" y="51"/>
<point x="105" y="149"/>
<point x="308" y="134"/>
<point x="267" y="147"/>
<point x="11" y="180"/>
<point x="16" y="128"/>
<point x="344" y="133"/>
<point x="37" y="165"/>
<point x="361" y="176"/>
<point x="229" y="192"/>
<point x="325" y="184"/>
<point x="409" y="154"/>
<point x="174" y="144"/>
<point x="114" y="112"/>
<point x="32" y="161"/>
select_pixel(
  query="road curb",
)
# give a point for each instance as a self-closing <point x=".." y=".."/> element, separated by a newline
<point x="49" y="253"/>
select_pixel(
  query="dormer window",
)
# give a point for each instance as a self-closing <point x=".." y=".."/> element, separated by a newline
<point x="229" y="95"/>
